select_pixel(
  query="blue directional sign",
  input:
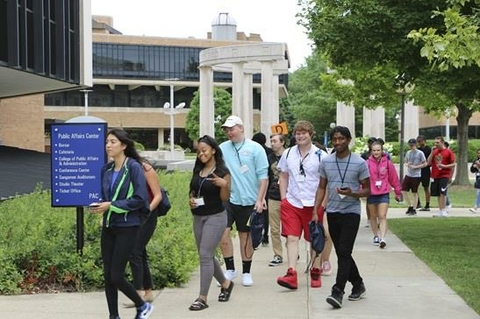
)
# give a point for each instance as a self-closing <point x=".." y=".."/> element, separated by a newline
<point x="78" y="155"/>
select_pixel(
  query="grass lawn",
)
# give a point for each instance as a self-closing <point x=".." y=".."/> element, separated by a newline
<point x="450" y="247"/>
<point x="460" y="196"/>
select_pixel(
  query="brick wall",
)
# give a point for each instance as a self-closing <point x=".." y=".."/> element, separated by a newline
<point x="21" y="122"/>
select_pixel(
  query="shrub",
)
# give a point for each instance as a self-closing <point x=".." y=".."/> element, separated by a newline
<point x="38" y="244"/>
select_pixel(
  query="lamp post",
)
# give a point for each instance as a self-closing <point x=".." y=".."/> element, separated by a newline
<point x="403" y="87"/>
<point x="172" y="112"/>
<point x="85" y="95"/>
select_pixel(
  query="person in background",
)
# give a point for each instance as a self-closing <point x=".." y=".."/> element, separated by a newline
<point x="209" y="187"/>
<point x="124" y="204"/>
<point x="299" y="176"/>
<point x="248" y="166"/>
<point x="448" y="203"/>
<point x="344" y="178"/>
<point x="383" y="177"/>
<point x="142" y="278"/>
<point x="261" y="139"/>
<point x="425" y="175"/>
<point x="475" y="168"/>
<point x="442" y="161"/>
<point x="277" y="141"/>
<point x="365" y="155"/>
<point x="414" y="160"/>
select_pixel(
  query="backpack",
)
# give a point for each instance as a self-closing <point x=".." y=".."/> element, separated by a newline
<point x="164" y="205"/>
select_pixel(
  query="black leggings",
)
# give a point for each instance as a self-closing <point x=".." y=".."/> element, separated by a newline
<point x="117" y="246"/>
<point x="142" y="278"/>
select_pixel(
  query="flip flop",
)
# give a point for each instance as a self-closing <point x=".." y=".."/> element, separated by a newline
<point x="198" y="304"/>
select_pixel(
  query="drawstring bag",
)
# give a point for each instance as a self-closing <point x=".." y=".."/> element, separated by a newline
<point x="256" y="227"/>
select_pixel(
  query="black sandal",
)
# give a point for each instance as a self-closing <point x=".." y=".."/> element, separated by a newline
<point x="198" y="304"/>
<point x="225" y="293"/>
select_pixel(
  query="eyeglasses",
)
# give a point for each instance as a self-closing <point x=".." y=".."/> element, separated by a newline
<point x="302" y="170"/>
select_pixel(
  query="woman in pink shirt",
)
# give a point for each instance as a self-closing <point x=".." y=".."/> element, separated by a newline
<point x="383" y="177"/>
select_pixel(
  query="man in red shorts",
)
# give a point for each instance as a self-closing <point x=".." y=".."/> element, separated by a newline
<point x="299" y="178"/>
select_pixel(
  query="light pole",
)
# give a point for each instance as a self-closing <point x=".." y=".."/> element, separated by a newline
<point x="172" y="113"/>
<point x="403" y="87"/>
<point x="85" y="95"/>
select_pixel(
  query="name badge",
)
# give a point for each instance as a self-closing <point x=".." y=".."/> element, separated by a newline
<point x="243" y="169"/>
<point x="342" y="196"/>
<point x="199" y="201"/>
<point x="378" y="183"/>
<point x="300" y="178"/>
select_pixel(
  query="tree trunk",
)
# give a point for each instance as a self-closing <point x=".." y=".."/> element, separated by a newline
<point x="463" y="116"/>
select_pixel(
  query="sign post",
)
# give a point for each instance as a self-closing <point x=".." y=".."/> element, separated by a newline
<point x="77" y="157"/>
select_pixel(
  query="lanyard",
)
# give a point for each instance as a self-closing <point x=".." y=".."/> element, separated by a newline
<point x="237" y="150"/>
<point x="302" y="170"/>
<point x="346" y="168"/>
<point x="203" y="179"/>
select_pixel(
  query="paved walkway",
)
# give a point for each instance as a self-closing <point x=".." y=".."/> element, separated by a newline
<point x="398" y="284"/>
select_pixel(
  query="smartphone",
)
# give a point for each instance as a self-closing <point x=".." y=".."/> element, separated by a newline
<point x="93" y="205"/>
<point x="343" y="188"/>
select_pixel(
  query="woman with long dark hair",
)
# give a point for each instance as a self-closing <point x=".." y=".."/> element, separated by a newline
<point x="124" y="205"/>
<point x="209" y="187"/>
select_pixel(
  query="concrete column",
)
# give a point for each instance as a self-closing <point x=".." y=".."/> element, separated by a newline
<point x="207" y="109"/>
<point x="411" y="120"/>
<point x="267" y="98"/>
<point x="237" y="89"/>
<point x="160" y="135"/>
<point x="346" y="117"/>
<point x="374" y="122"/>
<point x="247" y="109"/>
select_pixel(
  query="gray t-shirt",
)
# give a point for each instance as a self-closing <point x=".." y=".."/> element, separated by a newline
<point x="343" y="172"/>
<point x="414" y="157"/>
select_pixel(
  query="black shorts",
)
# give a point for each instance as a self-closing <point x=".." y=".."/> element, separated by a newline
<point x="410" y="183"/>
<point x="425" y="179"/>
<point x="239" y="215"/>
<point x="439" y="187"/>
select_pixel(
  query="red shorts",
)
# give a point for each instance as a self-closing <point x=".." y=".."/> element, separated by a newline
<point x="294" y="219"/>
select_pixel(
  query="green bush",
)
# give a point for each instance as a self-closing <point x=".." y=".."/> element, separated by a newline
<point x="38" y="244"/>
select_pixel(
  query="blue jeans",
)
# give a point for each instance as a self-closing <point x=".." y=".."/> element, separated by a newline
<point x="343" y="231"/>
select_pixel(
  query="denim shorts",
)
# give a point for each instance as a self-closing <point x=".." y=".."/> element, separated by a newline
<point x="378" y="199"/>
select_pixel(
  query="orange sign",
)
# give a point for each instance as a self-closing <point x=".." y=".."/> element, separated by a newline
<point x="280" y="128"/>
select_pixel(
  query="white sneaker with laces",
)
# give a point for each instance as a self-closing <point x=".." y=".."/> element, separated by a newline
<point x="247" y="280"/>
<point x="230" y="274"/>
<point x="473" y="210"/>
<point x="448" y="207"/>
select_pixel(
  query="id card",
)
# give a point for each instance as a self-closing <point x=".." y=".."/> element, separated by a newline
<point x="300" y="178"/>
<point x="378" y="183"/>
<point x="199" y="201"/>
<point x="243" y="169"/>
<point x="342" y="196"/>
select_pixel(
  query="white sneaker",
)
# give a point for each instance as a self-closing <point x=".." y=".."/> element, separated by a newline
<point x="473" y="210"/>
<point x="230" y="274"/>
<point x="247" y="280"/>
<point x="441" y="213"/>
<point x="448" y="207"/>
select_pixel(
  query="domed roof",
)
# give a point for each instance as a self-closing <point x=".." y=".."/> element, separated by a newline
<point x="224" y="18"/>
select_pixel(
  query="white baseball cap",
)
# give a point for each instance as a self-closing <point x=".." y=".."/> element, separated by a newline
<point x="232" y="121"/>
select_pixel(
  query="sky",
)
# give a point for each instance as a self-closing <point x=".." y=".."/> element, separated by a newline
<point x="274" y="20"/>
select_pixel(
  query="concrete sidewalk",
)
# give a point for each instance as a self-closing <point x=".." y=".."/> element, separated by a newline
<point x="398" y="284"/>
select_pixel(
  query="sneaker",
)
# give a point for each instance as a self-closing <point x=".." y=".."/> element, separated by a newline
<point x="335" y="299"/>
<point x="413" y="212"/>
<point x="230" y="274"/>
<point x="144" y="311"/>
<point x="448" y="207"/>
<point x="425" y="209"/>
<point x="409" y="210"/>
<point x="247" y="280"/>
<point x="440" y="213"/>
<point x="326" y="268"/>
<point x="277" y="260"/>
<point x="473" y="210"/>
<point x="315" y="278"/>
<point x="290" y="280"/>
<point x="376" y="241"/>
<point x="358" y="293"/>
<point x="383" y="243"/>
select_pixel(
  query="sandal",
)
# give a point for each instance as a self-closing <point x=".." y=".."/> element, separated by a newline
<point x="225" y="293"/>
<point x="198" y="304"/>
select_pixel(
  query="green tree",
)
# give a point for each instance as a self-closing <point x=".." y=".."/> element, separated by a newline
<point x="366" y="42"/>
<point x="223" y="109"/>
